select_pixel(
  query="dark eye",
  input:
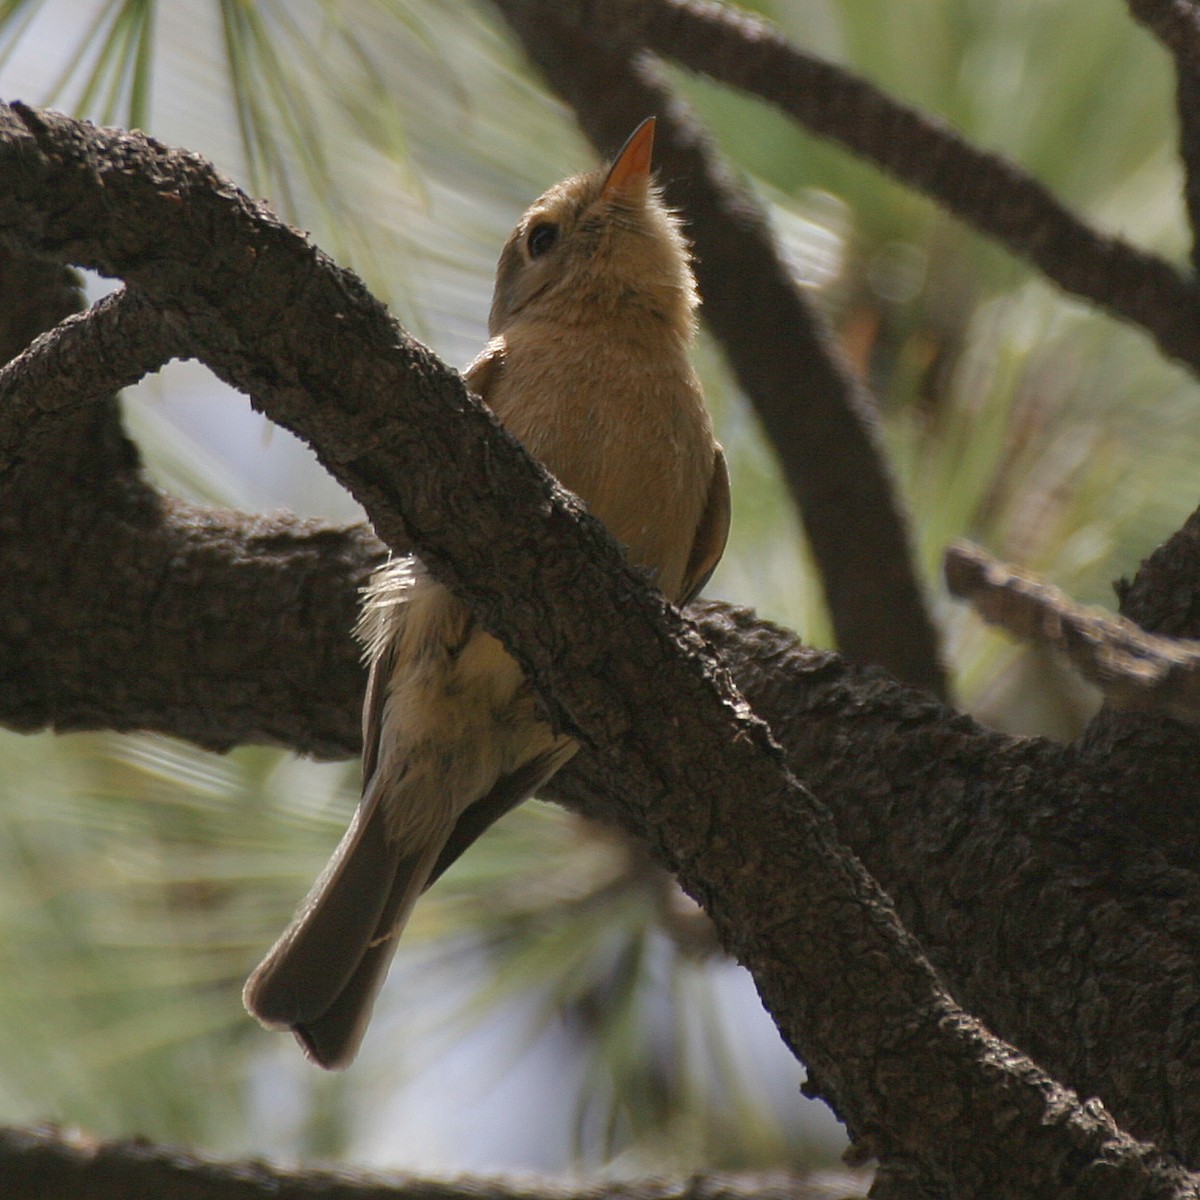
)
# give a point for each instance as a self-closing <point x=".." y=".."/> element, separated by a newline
<point x="541" y="237"/>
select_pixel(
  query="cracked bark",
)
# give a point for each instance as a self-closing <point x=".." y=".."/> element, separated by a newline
<point x="1048" y="886"/>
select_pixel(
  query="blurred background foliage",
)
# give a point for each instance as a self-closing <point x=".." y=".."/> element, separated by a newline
<point x="556" y="1002"/>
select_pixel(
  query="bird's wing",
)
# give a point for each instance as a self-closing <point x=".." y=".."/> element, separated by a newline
<point x="711" y="533"/>
<point x="377" y="685"/>
<point x="484" y="373"/>
<point x="508" y="791"/>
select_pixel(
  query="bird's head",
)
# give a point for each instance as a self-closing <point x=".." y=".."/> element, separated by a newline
<point x="598" y="243"/>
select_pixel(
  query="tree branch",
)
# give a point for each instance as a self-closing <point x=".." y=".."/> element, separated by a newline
<point x="820" y="420"/>
<point x="151" y="577"/>
<point x="1133" y="669"/>
<point x="1187" y="106"/>
<point x="1050" y="913"/>
<point x="45" y="1163"/>
<point x="697" y="777"/>
<point x="87" y="358"/>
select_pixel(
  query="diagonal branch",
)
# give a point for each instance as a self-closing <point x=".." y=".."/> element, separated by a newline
<point x="821" y="421"/>
<point x="1134" y="669"/>
<point x="698" y="777"/>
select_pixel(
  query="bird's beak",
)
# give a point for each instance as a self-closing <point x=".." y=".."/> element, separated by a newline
<point x="631" y="168"/>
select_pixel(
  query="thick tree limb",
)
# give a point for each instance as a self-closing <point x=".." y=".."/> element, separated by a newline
<point x="821" y="421"/>
<point x="1051" y="913"/>
<point x="983" y="189"/>
<point x="45" y="1163"/>
<point x="1156" y="757"/>
<point x="149" y="577"/>
<point x="1164" y="597"/>
<point x="284" y="590"/>
<point x="1133" y="668"/>
<point x="697" y="777"/>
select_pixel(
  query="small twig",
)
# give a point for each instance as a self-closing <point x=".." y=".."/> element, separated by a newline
<point x="1134" y="669"/>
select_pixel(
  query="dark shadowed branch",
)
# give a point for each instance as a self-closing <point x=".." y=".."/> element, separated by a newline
<point x="1176" y="23"/>
<point x="1187" y="105"/>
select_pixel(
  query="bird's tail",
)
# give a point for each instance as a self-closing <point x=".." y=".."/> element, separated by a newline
<point x="321" y="977"/>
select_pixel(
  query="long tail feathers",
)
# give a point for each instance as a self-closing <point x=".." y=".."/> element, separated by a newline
<point x="321" y="977"/>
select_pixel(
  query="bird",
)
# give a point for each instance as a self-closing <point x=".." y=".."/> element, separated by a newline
<point x="587" y="365"/>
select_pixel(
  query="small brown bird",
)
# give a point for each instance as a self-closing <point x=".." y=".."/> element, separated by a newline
<point x="590" y="326"/>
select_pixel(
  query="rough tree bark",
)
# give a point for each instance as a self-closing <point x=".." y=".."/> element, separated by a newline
<point x="1052" y="888"/>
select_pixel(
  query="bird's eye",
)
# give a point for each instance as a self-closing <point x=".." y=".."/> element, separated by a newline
<point x="541" y="237"/>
